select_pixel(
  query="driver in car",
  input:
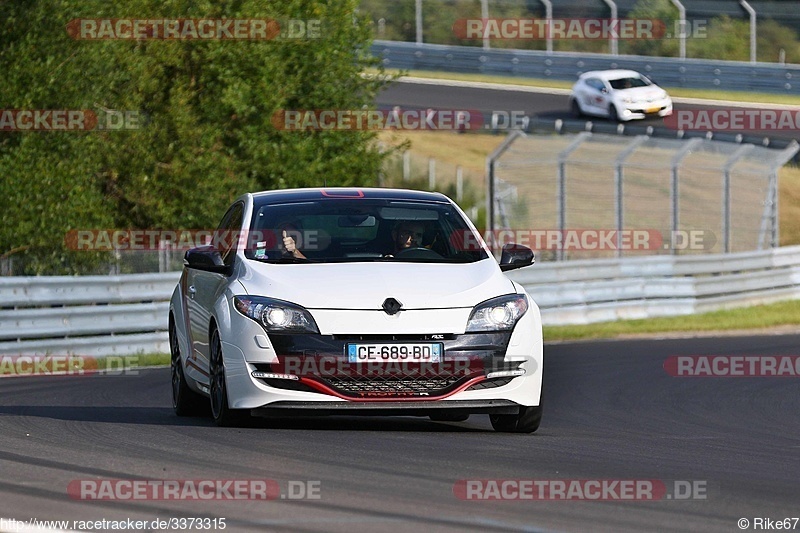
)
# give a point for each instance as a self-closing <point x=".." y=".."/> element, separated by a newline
<point x="407" y="235"/>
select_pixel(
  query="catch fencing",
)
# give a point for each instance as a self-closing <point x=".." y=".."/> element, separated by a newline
<point x="725" y="193"/>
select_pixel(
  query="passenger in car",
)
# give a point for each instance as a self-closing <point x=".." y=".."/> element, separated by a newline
<point x="289" y="244"/>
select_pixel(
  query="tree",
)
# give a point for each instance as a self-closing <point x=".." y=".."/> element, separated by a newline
<point x="660" y="10"/>
<point x="205" y="133"/>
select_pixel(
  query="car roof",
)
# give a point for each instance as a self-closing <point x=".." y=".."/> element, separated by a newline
<point x="340" y="193"/>
<point x="613" y="74"/>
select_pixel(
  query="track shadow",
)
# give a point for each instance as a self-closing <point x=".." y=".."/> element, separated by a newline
<point x="164" y="416"/>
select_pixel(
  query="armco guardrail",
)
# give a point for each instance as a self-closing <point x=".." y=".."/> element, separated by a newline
<point x="117" y="315"/>
<point x="581" y="292"/>
<point x="566" y="66"/>
<point x="87" y="315"/>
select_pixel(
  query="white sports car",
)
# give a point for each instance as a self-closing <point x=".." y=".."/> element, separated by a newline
<point x="619" y="95"/>
<point x="354" y="301"/>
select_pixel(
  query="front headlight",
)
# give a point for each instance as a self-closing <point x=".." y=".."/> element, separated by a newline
<point x="276" y="316"/>
<point x="497" y="314"/>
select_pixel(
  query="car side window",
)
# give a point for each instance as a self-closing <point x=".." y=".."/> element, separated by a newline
<point x="229" y="228"/>
<point x="595" y="84"/>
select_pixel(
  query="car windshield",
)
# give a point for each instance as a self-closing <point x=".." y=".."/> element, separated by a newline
<point x="629" y="82"/>
<point x="350" y="230"/>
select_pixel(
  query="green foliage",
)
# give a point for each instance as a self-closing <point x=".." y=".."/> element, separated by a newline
<point x="661" y="10"/>
<point x="772" y="37"/>
<point x="725" y="37"/>
<point x="205" y="113"/>
<point x="730" y="39"/>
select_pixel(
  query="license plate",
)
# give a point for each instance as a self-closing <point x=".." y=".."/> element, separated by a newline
<point x="653" y="110"/>
<point x="421" y="352"/>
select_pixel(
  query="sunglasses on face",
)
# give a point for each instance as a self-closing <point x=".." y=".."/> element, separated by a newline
<point x="406" y="233"/>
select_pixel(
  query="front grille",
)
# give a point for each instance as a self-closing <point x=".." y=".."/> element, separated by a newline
<point x="393" y="386"/>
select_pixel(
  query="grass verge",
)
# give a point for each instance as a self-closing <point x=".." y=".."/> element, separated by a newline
<point x="149" y="359"/>
<point x="755" y="318"/>
<point x="58" y="364"/>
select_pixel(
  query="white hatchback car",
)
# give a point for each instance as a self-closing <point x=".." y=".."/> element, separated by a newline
<point x="619" y="95"/>
<point x="354" y="301"/>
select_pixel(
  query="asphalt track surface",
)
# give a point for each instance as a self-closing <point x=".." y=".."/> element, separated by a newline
<point x="611" y="412"/>
<point x="541" y="105"/>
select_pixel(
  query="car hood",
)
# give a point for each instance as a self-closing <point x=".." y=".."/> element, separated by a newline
<point x="367" y="285"/>
<point x="641" y="93"/>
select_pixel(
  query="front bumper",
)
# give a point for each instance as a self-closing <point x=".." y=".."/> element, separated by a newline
<point x="466" y="407"/>
<point x="464" y="375"/>
<point x="639" y="110"/>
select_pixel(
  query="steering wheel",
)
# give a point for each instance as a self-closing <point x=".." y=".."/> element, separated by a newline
<point x="418" y="253"/>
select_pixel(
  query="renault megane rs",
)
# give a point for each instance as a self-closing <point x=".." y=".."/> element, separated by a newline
<point x="354" y="301"/>
<point x="619" y="95"/>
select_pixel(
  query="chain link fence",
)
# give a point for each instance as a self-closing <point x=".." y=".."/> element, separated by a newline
<point x="593" y="195"/>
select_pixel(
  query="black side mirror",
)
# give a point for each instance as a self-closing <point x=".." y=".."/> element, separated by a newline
<point x="515" y="256"/>
<point x="206" y="258"/>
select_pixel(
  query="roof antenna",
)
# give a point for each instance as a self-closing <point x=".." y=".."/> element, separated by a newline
<point x="325" y="182"/>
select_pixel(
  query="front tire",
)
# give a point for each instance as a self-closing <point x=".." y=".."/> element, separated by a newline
<point x="613" y="115"/>
<point x="185" y="401"/>
<point x="222" y="414"/>
<point x="526" y="421"/>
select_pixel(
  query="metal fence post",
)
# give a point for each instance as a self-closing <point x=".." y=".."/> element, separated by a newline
<point x="548" y="15"/>
<point x="612" y="39"/>
<point x="674" y="164"/>
<point x="418" y="17"/>
<point x="459" y="183"/>
<point x="490" y="178"/>
<point x="753" y="28"/>
<point x="726" y="194"/>
<point x="562" y="186"/>
<point x="682" y="24"/>
<point x="618" y="182"/>
<point x="484" y="16"/>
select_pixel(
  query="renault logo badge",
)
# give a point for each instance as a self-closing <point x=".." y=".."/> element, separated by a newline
<point x="391" y="306"/>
